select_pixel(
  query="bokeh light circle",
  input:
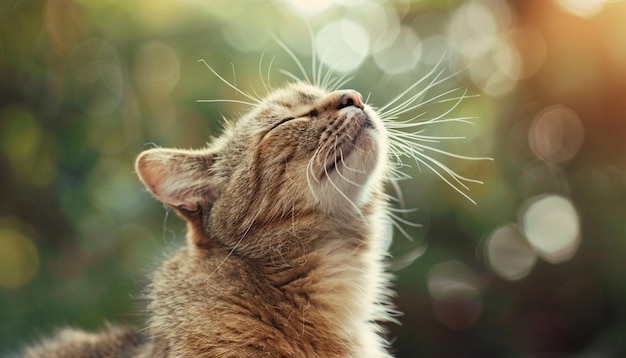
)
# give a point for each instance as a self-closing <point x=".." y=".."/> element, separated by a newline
<point x="507" y="59"/>
<point x="473" y="29"/>
<point x="552" y="226"/>
<point x="157" y="66"/>
<point x="308" y="7"/>
<point x="456" y="292"/>
<point x="99" y="83"/>
<point x="383" y="23"/>
<point x="342" y="45"/>
<point x="19" y="257"/>
<point x="530" y="46"/>
<point x="556" y="134"/>
<point x="401" y="55"/>
<point x="582" y="8"/>
<point x="452" y="279"/>
<point x="508" y="253"/>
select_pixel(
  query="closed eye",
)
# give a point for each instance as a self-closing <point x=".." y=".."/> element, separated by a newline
<point x="279" y="123"/>
<point x="314" y="113"/>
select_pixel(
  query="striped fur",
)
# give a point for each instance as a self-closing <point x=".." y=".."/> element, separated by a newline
<point x="287" y="223"/>
<point x="287" y="260"/>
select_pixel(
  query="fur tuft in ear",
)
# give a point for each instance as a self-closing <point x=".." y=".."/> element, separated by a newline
<point x="178" y="178"/>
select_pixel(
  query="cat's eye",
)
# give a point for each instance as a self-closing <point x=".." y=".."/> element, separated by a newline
<point x="279" y="123"/>
<point x="191" y="212"/>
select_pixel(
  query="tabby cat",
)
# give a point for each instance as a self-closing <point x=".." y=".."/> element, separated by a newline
<point x="287" y="228"/>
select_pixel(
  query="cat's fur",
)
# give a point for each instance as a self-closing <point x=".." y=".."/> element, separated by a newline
<point x="287" y="223"/>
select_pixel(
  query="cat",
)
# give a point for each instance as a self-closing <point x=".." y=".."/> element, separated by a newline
<point x="287" y="225"/>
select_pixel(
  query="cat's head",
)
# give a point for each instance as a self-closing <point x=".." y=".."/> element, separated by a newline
<point x="299" y="150"/>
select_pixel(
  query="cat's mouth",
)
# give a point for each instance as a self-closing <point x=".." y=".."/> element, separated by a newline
<point x="348" y="141"/>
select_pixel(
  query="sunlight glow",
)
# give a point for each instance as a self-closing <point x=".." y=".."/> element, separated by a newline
<point x="582" y="8"/>
<point x="309" y="7"/>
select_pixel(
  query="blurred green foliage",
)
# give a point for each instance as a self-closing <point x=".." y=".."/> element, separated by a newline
<point x="87" y="85"/>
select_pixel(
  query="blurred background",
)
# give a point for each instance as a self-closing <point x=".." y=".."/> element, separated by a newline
<point x="535" y="269"/>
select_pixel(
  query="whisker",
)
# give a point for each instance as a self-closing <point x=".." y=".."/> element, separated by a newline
<point x="400" y="135"/>
<point x="464" y="96"/>
<point x="399" y="196"/>
<point x="293" y="57"/>
<point x="329" y="73"/>
<point x="408" y="137"/>
<point x="398" y="175"/>
<point x="290" y="75"/>
<point x="230" y="84"/>
<point x="452" y="108"/>
<point x="389" y="197"/>
<point x="407" y="106"/>
<point x="404" y="147"/>
<point x="236" y="244"/>
<point x="413" y="86"/>
<point x="265" y="85"/>
<point x="388" y="122"/>
<point x="228" y="101"/>
<point x="269" y="71"/>
<point x="367" y="99"/>
<point x="403" y="211"/>
<point x="358" y="210"/>
<point x="450" y="154"/>
<point x="404" y="221"/>
<point x="313" y="54"/>
<point x="309" y="171"/>
<point x="457" y="178"/>
<point x="407" y="150"/>
<point x="408" y="124"/>
<point x="339" y="172"/>
<point x="340" y="81"/>
<point x="407" y="102"/>
<point x="346" y="165"/>
<point x="327" y="81"/>
<point x="402" y="230"/>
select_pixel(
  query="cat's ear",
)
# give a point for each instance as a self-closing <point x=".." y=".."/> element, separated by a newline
<point x="178" y="178"/>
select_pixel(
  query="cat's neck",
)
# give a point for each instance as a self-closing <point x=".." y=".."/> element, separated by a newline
<point x="321" y="294"/>
<point x="343" y="278"/>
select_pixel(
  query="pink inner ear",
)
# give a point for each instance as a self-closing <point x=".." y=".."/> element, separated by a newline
<point x="159" y="172"/>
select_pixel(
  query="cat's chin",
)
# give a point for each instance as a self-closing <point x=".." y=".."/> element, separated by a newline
<point x="357" y="172"/>
<point x="356" y="143"/>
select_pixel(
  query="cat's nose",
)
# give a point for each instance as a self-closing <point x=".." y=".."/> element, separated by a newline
<point x="350" y="98"/>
